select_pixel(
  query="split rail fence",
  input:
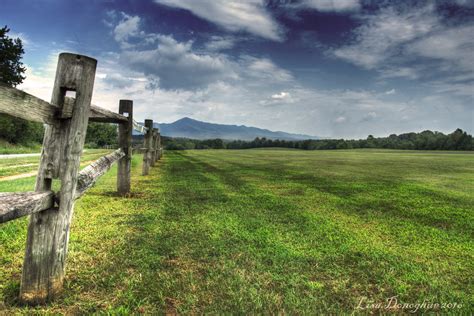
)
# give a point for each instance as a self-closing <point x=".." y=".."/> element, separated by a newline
<point x="66" y="122"/>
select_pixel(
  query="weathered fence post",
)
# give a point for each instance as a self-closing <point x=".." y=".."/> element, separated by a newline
<point x="147" y="144"/>
<point x="48" y="231"/>
<point x="153" y="148"/>
<point x="157" y="142"/>
<point x="158" y="156"/>
<point x="125" y="142"/>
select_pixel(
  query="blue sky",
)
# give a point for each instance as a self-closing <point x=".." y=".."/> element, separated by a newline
<point x="344" y="68"/>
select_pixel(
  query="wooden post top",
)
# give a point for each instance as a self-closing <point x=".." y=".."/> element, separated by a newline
<point x="125" y="106"/>
<point x="149" y="125"/>
<point x="85" y="58"/>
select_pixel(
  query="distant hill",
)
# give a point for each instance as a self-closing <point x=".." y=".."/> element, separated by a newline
<point x="190" y="128"/>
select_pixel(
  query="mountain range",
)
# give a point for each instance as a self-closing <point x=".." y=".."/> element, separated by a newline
<point x="190" y="128"/>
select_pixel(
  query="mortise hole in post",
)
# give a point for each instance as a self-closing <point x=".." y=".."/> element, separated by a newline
<point x="56" y="184"/>
<point x="71" y="94"/>
<point x="126" y="114"/>
<point x="48" y="183"/>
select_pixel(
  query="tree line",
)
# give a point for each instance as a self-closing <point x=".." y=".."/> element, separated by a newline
<point x="426" y="140"/>
<point x="18" y="131"/>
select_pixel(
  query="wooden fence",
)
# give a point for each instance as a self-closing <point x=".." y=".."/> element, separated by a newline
<point x="66" y="122"/>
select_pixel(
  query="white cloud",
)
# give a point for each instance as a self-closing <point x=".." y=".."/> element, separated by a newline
<point x="128" y="27"/>
<point x="209" y="85"/>
<point x="281" y="96"/>
<point x="334" y="113"/>
<point x="454" y="46"/>
<point x="399" y="72"/>
<point x="218" y="43"/>
<point x="332" y="5"/>
<point x="381" y="35"/>
<point x="170" y="64"/>
<point x="233" y="15"/>
<point x="265" y="69"/>
<point x="40" y="81"/>
<point x="177" y="66"/>
<point x="414" y="44"/>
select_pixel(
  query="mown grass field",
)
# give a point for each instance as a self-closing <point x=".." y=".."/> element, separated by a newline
<point x="266" y="231"/>
<point x="7" y="148"/>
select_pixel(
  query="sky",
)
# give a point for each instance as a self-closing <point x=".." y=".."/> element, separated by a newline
<point x="341" y="69"/>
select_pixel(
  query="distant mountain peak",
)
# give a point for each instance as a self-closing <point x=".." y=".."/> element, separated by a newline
<point x="190" y="128"/>
<point x="185" y="119"/>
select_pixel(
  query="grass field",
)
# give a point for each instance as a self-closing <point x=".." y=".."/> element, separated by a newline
<point x="266" y="231"/>
<point x="7" y="148"/>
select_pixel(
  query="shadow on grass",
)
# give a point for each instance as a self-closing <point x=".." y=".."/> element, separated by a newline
<point x="356" y="197"/>
<point x="202" y="239"/>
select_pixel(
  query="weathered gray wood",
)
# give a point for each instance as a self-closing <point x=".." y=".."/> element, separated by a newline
<point x="97" y="114"/>
<point x="147" y="144"/>
<point x="90" y="174"/>
<point x="140" y="128"/>
<point x="158" y="156"/>
<point x="125" y="142"/>
<point x="48" y="231"/>
<point x="20" y="104"/>
<point x="154" y="142"/>
<point x="16" y="205"/>
<point x="101" y="115"/>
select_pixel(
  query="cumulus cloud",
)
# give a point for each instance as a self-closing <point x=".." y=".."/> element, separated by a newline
<point x="171" y="64"/>
<point x="168" y="79"/>
<point x="334" y="113"/>
<point x="127" y="28"/>
<point x="233" y="15"/>
<point x="177" y="66"/>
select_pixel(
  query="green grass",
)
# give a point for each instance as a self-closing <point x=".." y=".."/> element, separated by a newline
<point x="7" y="148"/>
<point x="20" y="165"/>
<point x="265" y="231"/>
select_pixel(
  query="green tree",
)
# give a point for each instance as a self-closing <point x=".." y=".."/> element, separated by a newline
<point x="11" y="53"/>
<point x="100" y="134"/>
<point x="15" y="130"/>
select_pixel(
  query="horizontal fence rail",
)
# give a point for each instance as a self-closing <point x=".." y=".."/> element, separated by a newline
<point x="90" y="174"/>
<point x="26" y="106"/>
<point x="140" y="128"/>
<point x="66" y="122"/>
<point x="14" y="205"/>
<point x="23" y="105"/>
